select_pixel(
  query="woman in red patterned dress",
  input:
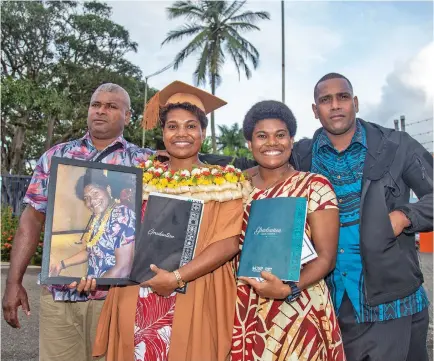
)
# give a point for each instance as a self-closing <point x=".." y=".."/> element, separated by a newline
<point x="274" y="320"/>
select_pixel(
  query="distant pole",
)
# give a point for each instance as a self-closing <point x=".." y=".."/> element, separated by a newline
<point x="283" y="50"/>
<point x="144" y="111"/>
<point x="402" y="123"/>
<point x="146" y="94"/>
<point x="396" y="124"/>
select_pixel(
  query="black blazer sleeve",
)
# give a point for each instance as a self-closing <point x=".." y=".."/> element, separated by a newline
<point x="417" y="174"/>
<point x="223" y="160"/>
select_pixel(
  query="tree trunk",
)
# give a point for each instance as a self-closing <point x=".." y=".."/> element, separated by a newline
<point x="50" y="131"/>
<point x="17" y="149"/>
<point x="213" y="136"/>
<point x="4" y="163"/>
<point x="5" y="160"/>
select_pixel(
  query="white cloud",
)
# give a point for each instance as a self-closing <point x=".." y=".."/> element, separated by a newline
<point x="420" y="73"/>
<point x="408" y="91"/>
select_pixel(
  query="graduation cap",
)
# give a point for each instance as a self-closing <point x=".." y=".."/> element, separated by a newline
<point x="176" y="93"/>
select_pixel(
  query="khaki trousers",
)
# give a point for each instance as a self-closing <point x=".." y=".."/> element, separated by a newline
<point x="67" y="329"/>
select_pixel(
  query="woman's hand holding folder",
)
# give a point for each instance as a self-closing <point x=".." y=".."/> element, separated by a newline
<point x="271" y="287"/>
<point x="163" y="283"/>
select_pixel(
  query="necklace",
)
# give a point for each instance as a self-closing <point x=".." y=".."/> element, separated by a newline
<point x="91" y="237"/>
<point x="277" y="180"/>
<point x="158" y="177"/>
<point x="203" y="181"/>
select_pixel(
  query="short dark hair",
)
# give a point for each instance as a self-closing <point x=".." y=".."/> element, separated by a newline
<point x="268" y="109"/>
<point x="199" y="113"/>
<point x="95" y="177"/>
<point x="328" y="77"/>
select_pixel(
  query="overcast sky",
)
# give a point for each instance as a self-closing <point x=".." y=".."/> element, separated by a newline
<point x="386" y="49"/>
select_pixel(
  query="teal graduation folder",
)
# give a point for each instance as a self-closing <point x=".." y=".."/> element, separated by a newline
<point x="274" y="238"/>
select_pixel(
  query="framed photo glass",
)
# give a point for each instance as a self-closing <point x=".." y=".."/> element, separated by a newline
<point x="92" y="220"/>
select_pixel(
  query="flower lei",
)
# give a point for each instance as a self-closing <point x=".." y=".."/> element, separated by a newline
<point x="202" y="182"/>
<point x="92" y="240"/>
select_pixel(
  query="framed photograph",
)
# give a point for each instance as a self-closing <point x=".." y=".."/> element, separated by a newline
<point x="92" y="220"/>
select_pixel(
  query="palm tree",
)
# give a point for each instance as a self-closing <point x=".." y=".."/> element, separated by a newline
<point x="216" y="27"/>
<point x="206" y="146"/>
<point x="231" y="139"/>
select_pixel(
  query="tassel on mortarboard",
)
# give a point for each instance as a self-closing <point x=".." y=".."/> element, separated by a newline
<point x="151" y="115"/>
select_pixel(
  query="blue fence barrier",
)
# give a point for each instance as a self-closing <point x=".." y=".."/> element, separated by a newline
<point x="13" y="190"/>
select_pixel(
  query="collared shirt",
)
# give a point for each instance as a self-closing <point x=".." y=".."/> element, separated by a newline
<point x="345" y="171"/>
<point x="118" y="232"/>
<point x="82" y="149"/>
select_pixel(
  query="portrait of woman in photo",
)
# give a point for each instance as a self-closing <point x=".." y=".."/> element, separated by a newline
<point x="108" y="240"/>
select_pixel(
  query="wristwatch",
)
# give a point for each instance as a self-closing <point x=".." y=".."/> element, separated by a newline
<point x="295" y="291"/>
<point x="181" y="283"/>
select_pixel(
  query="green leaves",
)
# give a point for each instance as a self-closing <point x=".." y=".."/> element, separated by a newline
<point x="231" y="141"/>
<point x="206" y="147"/>
<point x="53" y="56"/>
<point x="187" y="9"/>
<point x="187" y="29"/>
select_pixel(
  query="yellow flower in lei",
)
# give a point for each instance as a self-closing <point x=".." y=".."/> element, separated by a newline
<point x="163" y="183"/>
<point x="91" y="241"/>
<point x="209" y="182"/>
<point x="147" y="176"/>
<point x="231" y="178"/>
<point x="219" y="181"/>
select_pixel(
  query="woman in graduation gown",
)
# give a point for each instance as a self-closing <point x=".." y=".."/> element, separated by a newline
<point x="152" y="322"/>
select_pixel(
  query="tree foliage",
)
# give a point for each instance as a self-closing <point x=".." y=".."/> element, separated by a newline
<point x="53" y="56"/>
<point x="231" y="141"/>
<point x="206" y="147"/>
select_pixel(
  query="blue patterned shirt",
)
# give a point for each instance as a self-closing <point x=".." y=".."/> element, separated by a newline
<point x="119" y="232"/>
<point x="345" y="171"/>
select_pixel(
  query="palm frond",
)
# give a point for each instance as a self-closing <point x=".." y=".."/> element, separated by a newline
<point x="251" y="16"/>
<point x="202" y="65"/>
<point x="216" y="62"/>
<point x="185" y="8"/>
<point x="242" y="46"/>
<point x="232" y="9"/>
<point x="247" y="71"/>
<point x="232" y="52"/>
<point x="245" y="44"/>
<point x="220" y="63"/>
<point x="215" y="8"/>
<point x="197" y="43"/>
<point x="243" y="26"/>
<point x="222" y="129"/>
<point x="185" y="30"/>
<point x="240" y="63"/>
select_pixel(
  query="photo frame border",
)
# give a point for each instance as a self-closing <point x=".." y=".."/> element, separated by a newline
<point x="55" y="162"/>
